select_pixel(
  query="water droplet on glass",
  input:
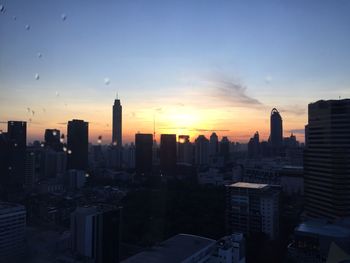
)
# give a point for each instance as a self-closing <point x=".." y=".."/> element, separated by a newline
<point x="37" y="77"/>
<point x="87" y="175"/>
<point x="27" y="27"/>
<point x="42" y="145"/>
<point x="114" y="143"/>
<point x="14" y="18"/>
<point x="57" y="94"/>
<point x="69" y="151"/>
<point x="33" y="112"/>
<point x="2" y="8"/>
<point x="39" y="55"/>
<point x="31" y="153"/>
<point x="54" y="133"/>
<point x="10" y="168"/>
<point x="15" y="144"/>
<point x="64" y="17"/>
<point x="107" y="81"/>
<point x="28" y="109"/>
<point x="64" y="148"/>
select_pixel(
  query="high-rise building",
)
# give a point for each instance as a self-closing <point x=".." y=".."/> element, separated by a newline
<point x="117" y="124"/>
<point x="17" y="138"/>
<point x="254" y="146"/>
<point x="327" y="160"/>
<point x="143" y="153"/>
<point x="168" y="154"/>
<point x="12" y="234"/>
<point x="52" y="139"/>
<point x="96" y="232"/>
<point x="225" y="149"/>
<point x="184" y="150"/>
<point x="213" y="144"/>
<point x="77" y="144"/>
<point x="253" y="208"/>
<point x="276" y="130"/>
<point x="201" y="151"/>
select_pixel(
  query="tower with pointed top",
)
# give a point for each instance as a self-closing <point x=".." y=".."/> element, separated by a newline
<point x="117" y="123"/>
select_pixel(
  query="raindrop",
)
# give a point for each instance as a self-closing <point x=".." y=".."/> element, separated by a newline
<point x="28" y="109"/>
<point x="31" y="153"/>
<point x="39" y="55"/>
<point x="2" y="8"/>
<point x="37" y="77"/>
<point x="64" y="148"/>
<point x="57" y="94"/>
<point x="10" y="168"/>
<point x="114" y="143"/>
<point x="27" y="27"/>
<point x="15" y="144"/>
<point x="42" y="145"/>
<point x="54" y="133"/>
<point x="33" y="112"/>
<point x="107" y="81"/>
<point x="64" y="17"/>
<point x="69" y="151"/>
<point x="99" y="140"/>
<point x="87" y="175"/>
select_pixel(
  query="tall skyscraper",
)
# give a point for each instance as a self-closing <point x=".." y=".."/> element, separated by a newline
<point x="17" y="138"/>
<point x="117" y="124"/>
<point x="168" y="154"/>
<point x="143" y="153"/>
<point x="184" y="150"/>
<point x="201" y="151"/>
<point x="276" y="130"/>
<point x="225" y="149"/>
<point x="327" y="160"/>
<point x="213" y="144"/>
<point x="96" y="233"/>
<point x="77" y="144"/>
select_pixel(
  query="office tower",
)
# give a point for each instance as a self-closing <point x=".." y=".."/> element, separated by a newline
<point x="184" y="150"/>
<point x="4" y="159"/>
<point x="201" y="151"/>
<point x="96" y="232"/>
<point x="117" y="124"/>
<point x="276" y="131"/>
<point x="254" y="146"/>
<point x="52" y="139"/>
<point x="129" y="156"/>
<point x="143" y="153"/>
<point x="213" y="144"/>
<point x="327" y="160"/>
<point x="253" y="208"/>
<point x="168" y="154"/>
<point x="17" y="138"/>
<point x="77" y="144"/>
<point x="12" y="234"/>
<point x="225" y="149"/>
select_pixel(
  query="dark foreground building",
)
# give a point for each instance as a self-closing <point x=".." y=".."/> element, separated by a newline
<point x="143" y="153"/>
<point x="327" y="160"/>
<point x="77" y="144"/>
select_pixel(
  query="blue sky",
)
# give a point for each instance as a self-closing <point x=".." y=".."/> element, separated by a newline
<point x="159" y="54"/>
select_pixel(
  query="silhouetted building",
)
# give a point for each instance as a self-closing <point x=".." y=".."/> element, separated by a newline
<point x="52" y="139"/>
<point x="213" y="144"/>
<point x="326" y="160"/>
<point x="96" y="232"/>
<point x="184" y="150"/>
<point x="276" y="131"/>
<point x="168" y="154"/>
<point x="77" y="144"/>
<point x="254" y="146"/>
<point x="117" y="124"/>
<point x="4" y="159"/>
<point x="253" y="208"/>
<point x="143" y="153"/>
<point x="17" y="138"/>
<point x="225" y="149"/>
<point x="201" y="151"/>
<point x="12" y="231"/>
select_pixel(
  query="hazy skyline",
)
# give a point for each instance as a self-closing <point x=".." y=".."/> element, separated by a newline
<point x="196" y="66"/>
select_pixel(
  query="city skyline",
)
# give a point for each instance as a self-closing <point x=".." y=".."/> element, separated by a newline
<point x="171" y="63"/>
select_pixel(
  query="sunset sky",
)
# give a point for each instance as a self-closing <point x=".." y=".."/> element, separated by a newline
<point x="193" y="65"/>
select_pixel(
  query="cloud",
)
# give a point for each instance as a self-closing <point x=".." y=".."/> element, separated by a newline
<point x="233" y="92"/>
<point x="294" y="109"/>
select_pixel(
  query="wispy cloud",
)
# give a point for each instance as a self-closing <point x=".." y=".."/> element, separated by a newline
<point x="232" y="91"/>
<point x="294" y="109"/>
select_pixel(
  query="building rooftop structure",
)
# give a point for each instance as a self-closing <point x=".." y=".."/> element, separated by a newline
<point x="248" y="185"/>
<point x="174" y="250"/>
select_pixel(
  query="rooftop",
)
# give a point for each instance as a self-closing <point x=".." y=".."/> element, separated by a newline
<point x="174" y="250"/>
<point x="322" y="228"/>
<point x="248" y="185"/>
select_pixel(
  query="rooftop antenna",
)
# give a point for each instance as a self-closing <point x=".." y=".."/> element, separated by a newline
<point x="117" y="95"/>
